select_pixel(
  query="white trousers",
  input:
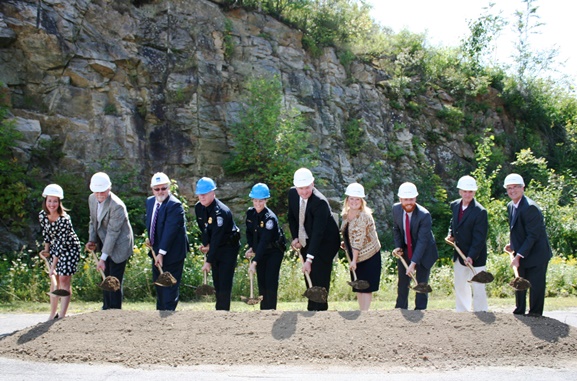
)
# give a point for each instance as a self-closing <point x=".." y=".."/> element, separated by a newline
<point x="467" y="294"/>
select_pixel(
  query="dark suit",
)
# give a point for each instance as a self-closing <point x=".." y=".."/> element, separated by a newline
<point x="221" y="233"/>
<point x="470" y="233"/>
<point x="424" y="253"/>
<point x="528" y="237"/>
<point x="112" y="233"/>
<point x="323" y="238"/>
<point x="169" y="236"/>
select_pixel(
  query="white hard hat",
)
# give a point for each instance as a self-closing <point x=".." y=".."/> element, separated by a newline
<point x="100" y="182"/>
<point x="513" y="179"/>
<point x="159" y="178"/>
<point x="303" y="178"/>
<point x="467" y="183"/>
<point x="407" y="190"/>
<point x="355" y="190"/>
<point x="53" y="190"/>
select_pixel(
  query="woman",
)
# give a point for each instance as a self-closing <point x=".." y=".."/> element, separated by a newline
<point x="61" y="246"/>
<point x="361" y="242"/>
<point x="266" y="245"/>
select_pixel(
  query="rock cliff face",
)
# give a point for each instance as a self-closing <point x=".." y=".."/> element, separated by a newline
<point x="155" y="87"/>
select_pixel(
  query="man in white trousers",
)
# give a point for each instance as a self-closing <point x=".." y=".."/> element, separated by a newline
<point x="468" y="231"/>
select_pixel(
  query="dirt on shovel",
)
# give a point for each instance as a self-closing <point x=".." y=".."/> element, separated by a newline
<point x="109" y="283"/>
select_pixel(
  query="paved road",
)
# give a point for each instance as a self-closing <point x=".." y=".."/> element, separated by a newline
<point x="15" y="370"/>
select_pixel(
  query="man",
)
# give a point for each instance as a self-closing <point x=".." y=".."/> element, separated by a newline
<point x="166" y="226"/>
<point x="220" y="240"/>
<point x="468" y="231"/>
<point x="314" y="230"/>
<point x="529" y="244"/>
<point x="110" y="232"/>
<point x="414" y="239"/>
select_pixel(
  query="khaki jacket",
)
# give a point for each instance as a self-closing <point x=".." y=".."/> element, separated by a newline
<point x="362" y="236"/>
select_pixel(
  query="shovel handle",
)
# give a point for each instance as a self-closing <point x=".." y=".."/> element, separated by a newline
<point x="251" y="276"/>
<point x="52" y="277"/>
<point x="307" y="276"/>
<point x="96" y="261"/>
<point x="462" y="255"/>
<point x="147" y="243"/>
<point x="353" y="271"/>
<point x="515" y="269"/>
<point x="407" y="267"/>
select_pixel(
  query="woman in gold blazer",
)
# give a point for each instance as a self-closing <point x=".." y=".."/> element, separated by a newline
<point x="361" y="242"/>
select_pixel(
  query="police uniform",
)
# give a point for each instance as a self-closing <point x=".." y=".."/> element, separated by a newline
<point x="221" y="233"/>
<point x="264" y="236"/>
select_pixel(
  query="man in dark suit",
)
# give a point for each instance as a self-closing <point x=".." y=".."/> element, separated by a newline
<point x="314" y="230"/>
<point x="110" y="232"/>
<point x="414" y="238"/>
<point x="530" y="245"/>
<point x="166" y="226"/>
<point x="220" y="240"/>
<point x="468" y="231"/>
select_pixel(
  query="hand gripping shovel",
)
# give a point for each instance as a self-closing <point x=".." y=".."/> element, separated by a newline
<point x="53" y="281"/>
<point x="481" y="276"/>
<point x="109" y="283"/>
<point x="358" y="284"/>
<point x="204" y="289"/>
<point x="315" y="294"/>
<point x="165" y="279"/>
<point x="251" y="300"/>
<point x="519" y="284"/>
<point x="422" y="288"/>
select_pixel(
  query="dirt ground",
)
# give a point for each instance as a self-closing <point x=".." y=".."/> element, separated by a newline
<point x="396" y="339"/>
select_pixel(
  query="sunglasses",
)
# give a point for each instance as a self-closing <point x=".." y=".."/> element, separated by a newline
<point x="159" y="189"/>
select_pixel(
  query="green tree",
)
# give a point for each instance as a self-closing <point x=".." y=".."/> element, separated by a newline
<point x="270" y="142"/>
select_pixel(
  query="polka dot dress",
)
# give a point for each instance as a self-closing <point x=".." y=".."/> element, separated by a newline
<point x="64" y="242"/>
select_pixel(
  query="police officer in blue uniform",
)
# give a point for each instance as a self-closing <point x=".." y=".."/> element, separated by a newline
<point x="266" y="245"/>
<point x="220" y="240"/>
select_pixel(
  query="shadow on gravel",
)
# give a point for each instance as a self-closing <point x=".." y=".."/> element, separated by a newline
<point x="545" y="328"/>
<point x="35" y="332"/>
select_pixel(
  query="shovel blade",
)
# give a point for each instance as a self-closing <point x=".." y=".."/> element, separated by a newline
<point x="422" y="288"/>
<point x="204" y="290"/>
<point x="520" y="284"/>
<point x="110" y="283"/>
<point x="483" y="277"/>
<point x="59" y="292"/>
<point x="165" y="280"/>
<point x="359" y="284"/>
<point x="316" y="294"/>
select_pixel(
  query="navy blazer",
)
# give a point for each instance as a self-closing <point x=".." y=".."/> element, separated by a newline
<point x="170" y="231"/>
<point x="324" y="239"/>
<point x="470" y="233"/>
<point x="424" y="247"/>
<point x="528" y="235"/>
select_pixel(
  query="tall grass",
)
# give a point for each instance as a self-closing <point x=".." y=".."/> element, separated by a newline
<point x="24" y="279"/>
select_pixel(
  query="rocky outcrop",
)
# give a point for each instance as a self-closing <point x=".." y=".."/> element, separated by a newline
<point x="155" y="86"/>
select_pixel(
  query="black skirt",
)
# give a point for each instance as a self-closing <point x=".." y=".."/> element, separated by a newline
<point x="369" y="270"/>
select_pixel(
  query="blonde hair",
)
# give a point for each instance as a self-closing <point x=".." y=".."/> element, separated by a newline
<point x="364" y="207"/>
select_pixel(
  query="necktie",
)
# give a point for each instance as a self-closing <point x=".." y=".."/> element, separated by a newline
<point x="153" y="224"/>
<point x="513" y="212"/>
<point x="302" y="233"/>
<point x="408" y="236"/>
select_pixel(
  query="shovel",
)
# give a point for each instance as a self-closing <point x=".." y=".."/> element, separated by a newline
<point x="109" y="283"/>
<point x="519" y="284"/>
<point x="204" y="289"/>
<point x="422" y="288"/>
<point x="481" y="276"/>
<point x="315" y="294"/>
<point x="251" y="300"/>
<point x="53" y="281"/>
<point x="358" y="284"/>
<point x="165" y="279"/>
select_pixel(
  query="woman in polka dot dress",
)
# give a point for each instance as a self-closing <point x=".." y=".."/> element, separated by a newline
<point x="61" y="245"/>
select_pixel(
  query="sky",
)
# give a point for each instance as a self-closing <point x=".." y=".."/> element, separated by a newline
<point x="445" y="24"/>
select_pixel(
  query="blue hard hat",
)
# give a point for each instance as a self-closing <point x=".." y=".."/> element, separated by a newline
<point x="205" y="185"/>
<point x="259" y="191"/>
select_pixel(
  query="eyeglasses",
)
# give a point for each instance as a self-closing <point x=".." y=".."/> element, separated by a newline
<point x="159" y="189"/>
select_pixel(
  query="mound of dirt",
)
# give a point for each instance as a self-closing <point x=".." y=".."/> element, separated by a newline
<point x="440" y="340"/>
